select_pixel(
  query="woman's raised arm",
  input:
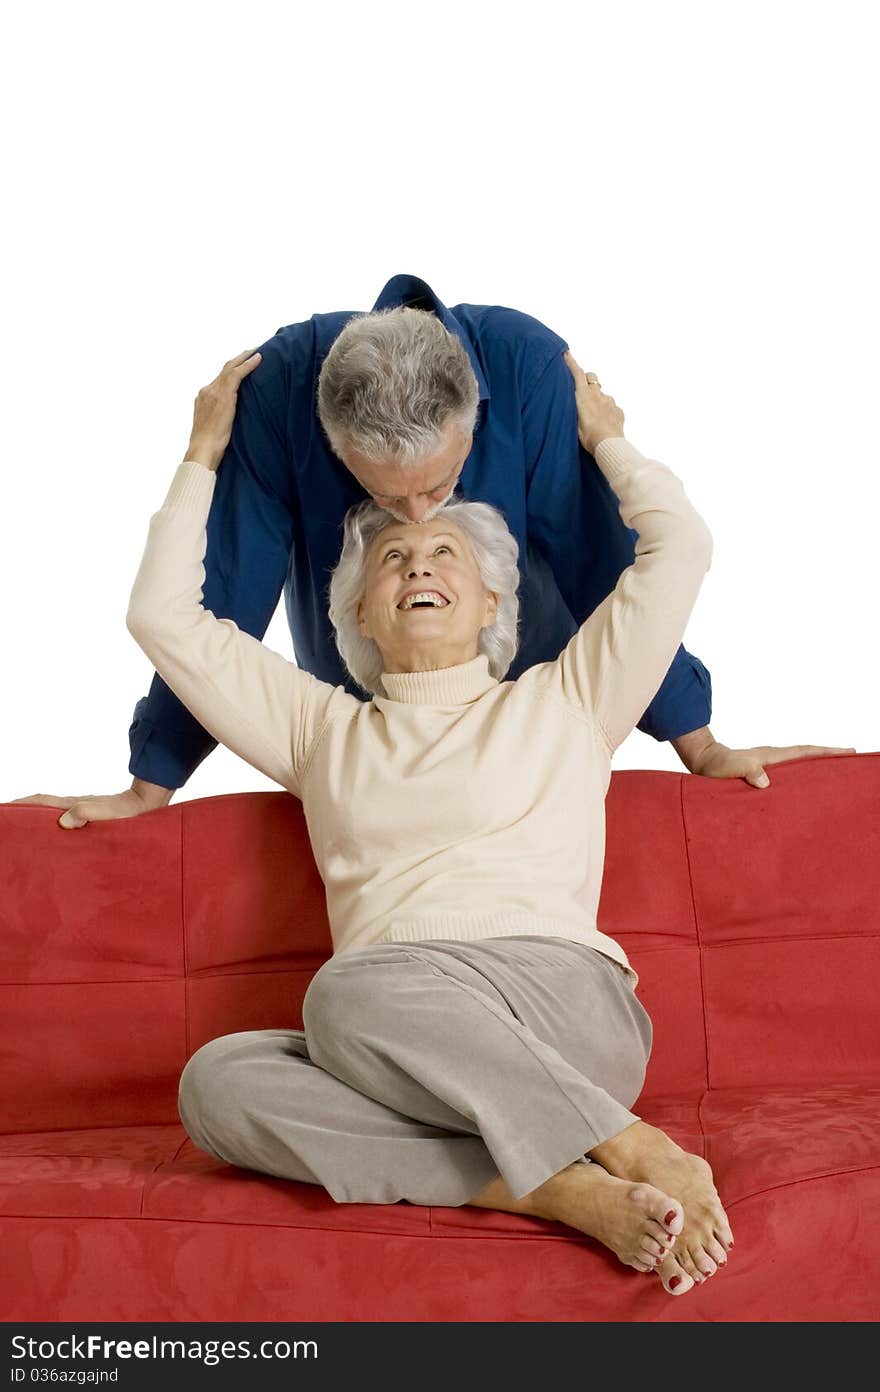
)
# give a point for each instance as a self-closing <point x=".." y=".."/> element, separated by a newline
<point x="250" y="698"/>
<point x="616" y="662"/>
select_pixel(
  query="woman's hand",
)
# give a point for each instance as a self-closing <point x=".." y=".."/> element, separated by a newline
<point x="215" y="410"/>
<point x="598" y="415"/>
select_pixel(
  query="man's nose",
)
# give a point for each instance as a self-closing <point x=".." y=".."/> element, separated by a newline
<point x="415" y="508"/>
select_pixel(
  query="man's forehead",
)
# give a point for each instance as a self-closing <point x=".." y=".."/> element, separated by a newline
<point x="399" y="481"/>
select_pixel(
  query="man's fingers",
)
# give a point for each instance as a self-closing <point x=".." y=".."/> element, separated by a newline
<point x="47" y="800"/>
<point x="573" y="366"/>
<point x="241" y="358"/>
<point x="770" y="755"/>
<point x="79" y="811"/>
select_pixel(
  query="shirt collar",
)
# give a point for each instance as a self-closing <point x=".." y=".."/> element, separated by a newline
<point x="408" y="289"/>
<point x="445" y="686"/>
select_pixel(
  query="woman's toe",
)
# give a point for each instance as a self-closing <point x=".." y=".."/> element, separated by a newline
<point x="642" y="1265"/>
<point x="688" y="1265"/>
<point x="659" y="1233"/>
<point x="715" y="1251"/>
<point x="673" y="1218"/>
<point x="675" y="1280"/>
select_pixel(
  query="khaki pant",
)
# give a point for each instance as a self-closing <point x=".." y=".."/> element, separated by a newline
<point x="426" y="1069"/>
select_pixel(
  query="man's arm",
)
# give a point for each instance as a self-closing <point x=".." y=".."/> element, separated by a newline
<point x="249" y="538"/>
<point x="573" y="519"/>
<point x="690" y="748"/>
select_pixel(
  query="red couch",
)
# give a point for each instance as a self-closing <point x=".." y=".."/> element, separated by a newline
<point x="752" y="916"/>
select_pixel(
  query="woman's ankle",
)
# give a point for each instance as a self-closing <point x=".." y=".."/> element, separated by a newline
<point x="497" y="1195"/>
<point x="547" y="1201"/>
<point x="619" y="1152"/>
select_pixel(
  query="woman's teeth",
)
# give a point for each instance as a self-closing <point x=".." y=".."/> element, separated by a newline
<point x="427" y="597"/>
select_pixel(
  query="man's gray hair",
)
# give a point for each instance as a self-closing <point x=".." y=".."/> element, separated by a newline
<point x="495" y="550"/>
<point x="392" y="384"/>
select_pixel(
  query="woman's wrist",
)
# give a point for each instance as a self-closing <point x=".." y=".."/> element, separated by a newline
<point x="202" y="451"/>
<point x="609" y="435"/>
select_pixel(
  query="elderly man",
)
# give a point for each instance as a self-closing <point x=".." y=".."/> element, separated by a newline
<point x="283" y="490"/>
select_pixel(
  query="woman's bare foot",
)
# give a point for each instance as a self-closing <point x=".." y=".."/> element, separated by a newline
<point x="644" y="1153"/>
<point x="630" y="1219"/>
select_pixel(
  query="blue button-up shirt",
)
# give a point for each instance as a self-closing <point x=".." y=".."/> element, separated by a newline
<point x="281" y="495"/>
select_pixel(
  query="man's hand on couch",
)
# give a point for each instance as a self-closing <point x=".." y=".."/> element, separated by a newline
<point x="140" y="797"/>
<point x="701" y="753"/>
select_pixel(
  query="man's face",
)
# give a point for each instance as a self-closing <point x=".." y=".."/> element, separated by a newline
<point x="415" y="492"/>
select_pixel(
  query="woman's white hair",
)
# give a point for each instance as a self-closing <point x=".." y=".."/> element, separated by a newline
<point x="393" y="383"/>
<point x="495" y="551"/>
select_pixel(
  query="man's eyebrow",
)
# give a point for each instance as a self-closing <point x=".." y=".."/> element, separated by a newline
<point x="396" y="497"/>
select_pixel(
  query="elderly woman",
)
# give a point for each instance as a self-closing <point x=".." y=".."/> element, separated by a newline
<point x="474" y="1038"/>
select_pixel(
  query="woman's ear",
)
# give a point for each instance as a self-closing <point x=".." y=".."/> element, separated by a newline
<point x="491" y="608"/>
<point x="361" y="618"/>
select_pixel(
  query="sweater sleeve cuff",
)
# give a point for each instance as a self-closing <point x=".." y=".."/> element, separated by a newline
<point x="192" y="485"/>
<point x="616" y="455"/>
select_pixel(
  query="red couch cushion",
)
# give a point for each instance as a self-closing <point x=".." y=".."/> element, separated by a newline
<point x="793" y="1165"/>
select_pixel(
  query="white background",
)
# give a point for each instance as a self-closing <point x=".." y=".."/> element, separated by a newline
<point x="685" y="192"/>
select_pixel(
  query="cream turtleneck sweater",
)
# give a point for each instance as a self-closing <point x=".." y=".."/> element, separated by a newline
<point x="456" y="805"/>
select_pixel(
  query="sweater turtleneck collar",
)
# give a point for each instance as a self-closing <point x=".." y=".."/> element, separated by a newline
<point x="445" y="686"/>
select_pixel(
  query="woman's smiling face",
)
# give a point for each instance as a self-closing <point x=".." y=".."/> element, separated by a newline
<point x="433" y="557"/>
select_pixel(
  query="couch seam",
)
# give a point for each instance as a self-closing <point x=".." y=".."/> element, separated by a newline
<point x="207" y="974"/>
<point x="215" y="973"/>
<point x="224" y="1222"/>
<point x="158" y="1166"/>
<point x="870" y="936"/>
<point x="696" y="919"/>
<point x="807" y="1179"/>
<point x="95" y="1126"/>
<point x="183" y="952"/>
<point x="476" y="1234"/>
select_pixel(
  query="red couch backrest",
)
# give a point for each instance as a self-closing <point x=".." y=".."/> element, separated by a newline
<point x="751" y="916"/>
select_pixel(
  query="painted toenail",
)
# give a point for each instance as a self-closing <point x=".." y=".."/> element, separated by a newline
<point x="674" y="1281"/>
<point x="668" y="1219"/>
<point x="662" y="1250"/>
